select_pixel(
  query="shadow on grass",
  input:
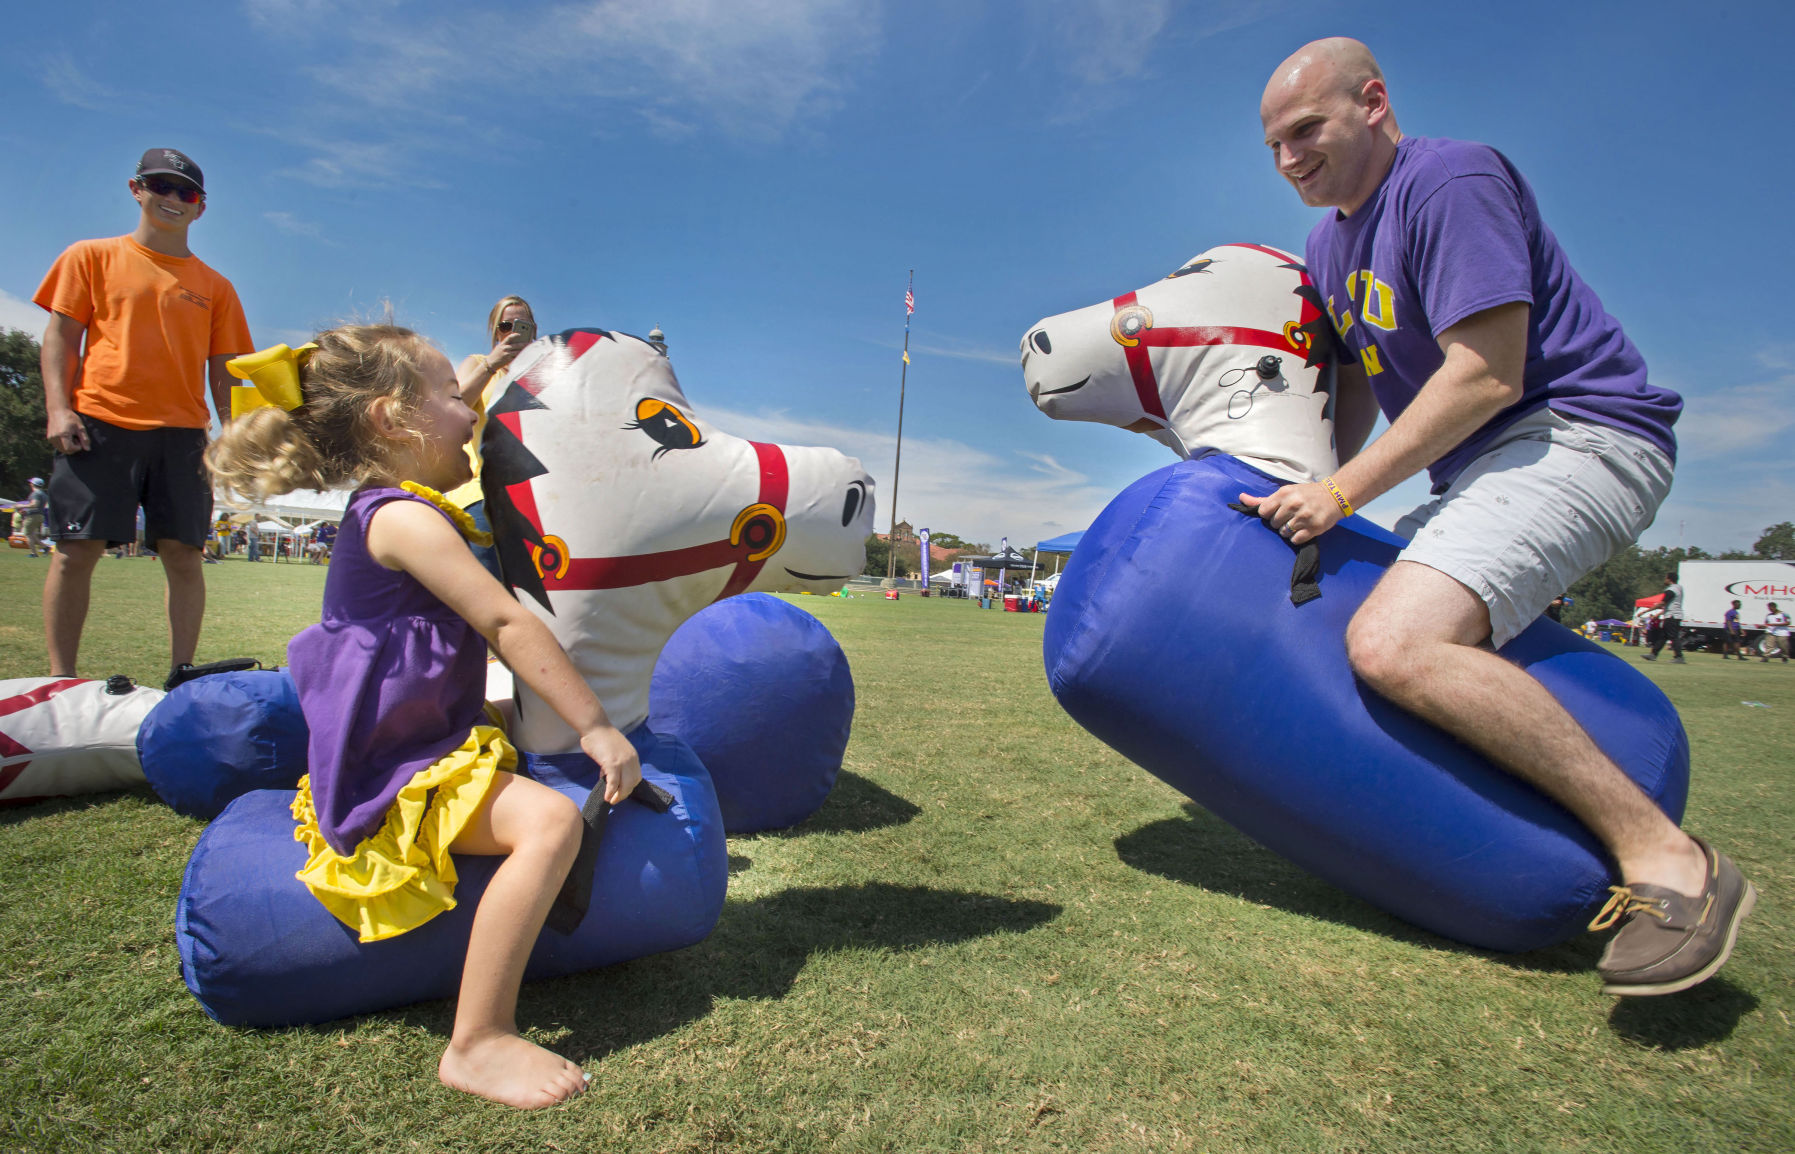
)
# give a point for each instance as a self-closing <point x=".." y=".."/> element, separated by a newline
<point x="854" y="805"/>
<point x="15" y="813"/>
<point x="1699" y="1017"/>
<point x="1203" y="850"/>
<point x="756" y="951"/>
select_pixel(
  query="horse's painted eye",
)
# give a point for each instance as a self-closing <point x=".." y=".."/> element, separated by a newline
<point x="667" y="425"/>
<point x="856" y="494"/>
<point x="1038" y="338"/>
<point x="1129" y="323"/>
<point x="1200" y="264"/>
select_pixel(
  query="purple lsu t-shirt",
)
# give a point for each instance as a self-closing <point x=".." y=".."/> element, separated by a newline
<point x="1453" y="230"/>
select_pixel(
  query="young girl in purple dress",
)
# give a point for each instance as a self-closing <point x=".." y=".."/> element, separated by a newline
<point x="407" y="766"/>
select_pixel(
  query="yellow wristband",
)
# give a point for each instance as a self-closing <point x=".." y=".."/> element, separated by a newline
<point x="1339" y="497"/>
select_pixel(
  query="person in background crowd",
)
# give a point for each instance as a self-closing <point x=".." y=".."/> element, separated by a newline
<point x="1670" y="623"/>
<point x="1776" y="623"/>
<point x="509" y="326"/>
<point x="1730" y="640"/>
<point x="30" y="515"/>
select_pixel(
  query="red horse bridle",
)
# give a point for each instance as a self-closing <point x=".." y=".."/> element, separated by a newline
<point x="1132" y="328"/>
<point x="757" y="533"/>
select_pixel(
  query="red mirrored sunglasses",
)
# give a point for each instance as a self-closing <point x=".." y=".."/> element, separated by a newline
<point x="186" y="192"/>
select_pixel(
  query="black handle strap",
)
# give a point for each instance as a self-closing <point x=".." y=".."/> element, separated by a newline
<point x="575" y="898"/>
<point x="1305" y="573"/>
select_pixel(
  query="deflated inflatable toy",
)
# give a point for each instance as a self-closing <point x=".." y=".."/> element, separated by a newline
<point x="1175" y="638"/>
<point x="618" y="514"/>
<point x="216" y="738"/>
<point x="61" y="736"/>
<point x="762" y="693"/>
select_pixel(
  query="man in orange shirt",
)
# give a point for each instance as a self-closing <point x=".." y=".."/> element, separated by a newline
<point x="127" y="412"/>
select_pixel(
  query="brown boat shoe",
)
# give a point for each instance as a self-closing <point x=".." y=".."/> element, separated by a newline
<point x="1669" y="941"/>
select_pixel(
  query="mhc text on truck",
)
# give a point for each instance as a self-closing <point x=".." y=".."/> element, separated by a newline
<point x="1711" y="587"/>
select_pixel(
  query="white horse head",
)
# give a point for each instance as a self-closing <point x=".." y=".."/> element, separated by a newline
<point x="618" y="513"/>
<point x="1229" y="353"/>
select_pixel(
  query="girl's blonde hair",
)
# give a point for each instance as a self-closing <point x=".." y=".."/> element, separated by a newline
<point x="498" y="312"/>
<point x="330" y="441"/>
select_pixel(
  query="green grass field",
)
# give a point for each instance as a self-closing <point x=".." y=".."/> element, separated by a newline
<point x="996" y="935"/>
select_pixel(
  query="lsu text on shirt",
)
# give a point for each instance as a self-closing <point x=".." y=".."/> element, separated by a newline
<point x="1453" y="230"/>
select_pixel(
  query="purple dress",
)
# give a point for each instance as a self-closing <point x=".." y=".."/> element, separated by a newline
<point x="390" y="680"/>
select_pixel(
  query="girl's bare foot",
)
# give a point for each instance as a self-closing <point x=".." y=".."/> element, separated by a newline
<point x="509" y="1069"/>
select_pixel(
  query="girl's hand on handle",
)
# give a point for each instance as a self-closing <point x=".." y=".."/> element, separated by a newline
<point x="617" y="759"/>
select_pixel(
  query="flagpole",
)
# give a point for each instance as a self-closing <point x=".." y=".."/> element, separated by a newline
<point x="903" y="377"/>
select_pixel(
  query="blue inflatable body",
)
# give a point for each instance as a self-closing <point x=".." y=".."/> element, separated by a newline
<point x="257" y="949"/>
<point x="215" y="738"/>
<point x="763" y="694"/>
<point x="1173" y="639"/>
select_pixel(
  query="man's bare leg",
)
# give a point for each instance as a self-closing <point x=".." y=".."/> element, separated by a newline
<point x="67" y="588"/>
<point x="1416" y="641"/>
<point x="182" y="567"/>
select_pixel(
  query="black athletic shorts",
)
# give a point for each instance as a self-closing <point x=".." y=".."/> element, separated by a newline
<point x="94" y="495"/>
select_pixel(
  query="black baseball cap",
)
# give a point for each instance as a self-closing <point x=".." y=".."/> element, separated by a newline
<point x="171" y="162"/>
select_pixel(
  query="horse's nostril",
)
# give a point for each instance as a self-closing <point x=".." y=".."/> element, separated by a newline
<point x="856" y="494"/>
<point x="1039" y="339"/>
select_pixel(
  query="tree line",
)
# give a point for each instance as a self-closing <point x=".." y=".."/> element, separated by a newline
<point x="23" y="450"/>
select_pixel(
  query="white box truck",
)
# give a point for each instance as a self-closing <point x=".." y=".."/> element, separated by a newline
<point x="1711" y="587"/>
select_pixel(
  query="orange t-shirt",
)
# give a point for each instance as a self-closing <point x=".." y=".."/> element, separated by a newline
<point x="152" y="321"/>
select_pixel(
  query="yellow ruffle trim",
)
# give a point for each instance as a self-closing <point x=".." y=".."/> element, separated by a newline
<point x="401" y="876"/>
<point x="464" y="520"/>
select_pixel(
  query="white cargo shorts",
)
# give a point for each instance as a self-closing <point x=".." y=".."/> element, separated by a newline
<point x="1549" y="500"/>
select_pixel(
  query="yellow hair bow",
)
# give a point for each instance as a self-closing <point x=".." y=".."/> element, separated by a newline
<point x="274" y="372"/>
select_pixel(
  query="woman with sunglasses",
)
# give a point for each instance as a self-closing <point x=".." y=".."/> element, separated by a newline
<point x="509" y="326"/>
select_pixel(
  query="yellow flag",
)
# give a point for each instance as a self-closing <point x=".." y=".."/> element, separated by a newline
<point x="906" y="356"/>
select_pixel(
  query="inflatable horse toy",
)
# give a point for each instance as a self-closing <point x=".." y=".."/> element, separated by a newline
<point x="618" y="514"/>
<point x="1181" y="638"/>
<point x="1170" y="360"/>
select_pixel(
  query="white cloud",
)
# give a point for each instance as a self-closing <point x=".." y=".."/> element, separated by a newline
<point x="65" y="80"/>
<point x="946" y="485"/>
<point x="1096" y="42"/>
<point x="344" y="163"/>
<point x="1722" y="424"/>
<point x="751" y="69"/>
<point x="966" y="351"/>
<point x="22" y="314"/>
<point x="294" y="226"/>
<point x="1093" y="47"/>
<point x="752" y="66"/>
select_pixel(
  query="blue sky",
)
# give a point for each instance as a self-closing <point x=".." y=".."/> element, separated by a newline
<point x="757" y="176"/>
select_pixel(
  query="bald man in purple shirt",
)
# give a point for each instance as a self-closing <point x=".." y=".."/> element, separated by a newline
<point x="1548" y="449"/>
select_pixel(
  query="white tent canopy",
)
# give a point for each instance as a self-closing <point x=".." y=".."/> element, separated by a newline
<point x="299" y="506"/>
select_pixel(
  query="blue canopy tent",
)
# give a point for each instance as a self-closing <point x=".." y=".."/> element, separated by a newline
<point x="1064" y="543"/>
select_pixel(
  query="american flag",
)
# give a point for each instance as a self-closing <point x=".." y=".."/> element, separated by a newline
<point x="909" y="302"/>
